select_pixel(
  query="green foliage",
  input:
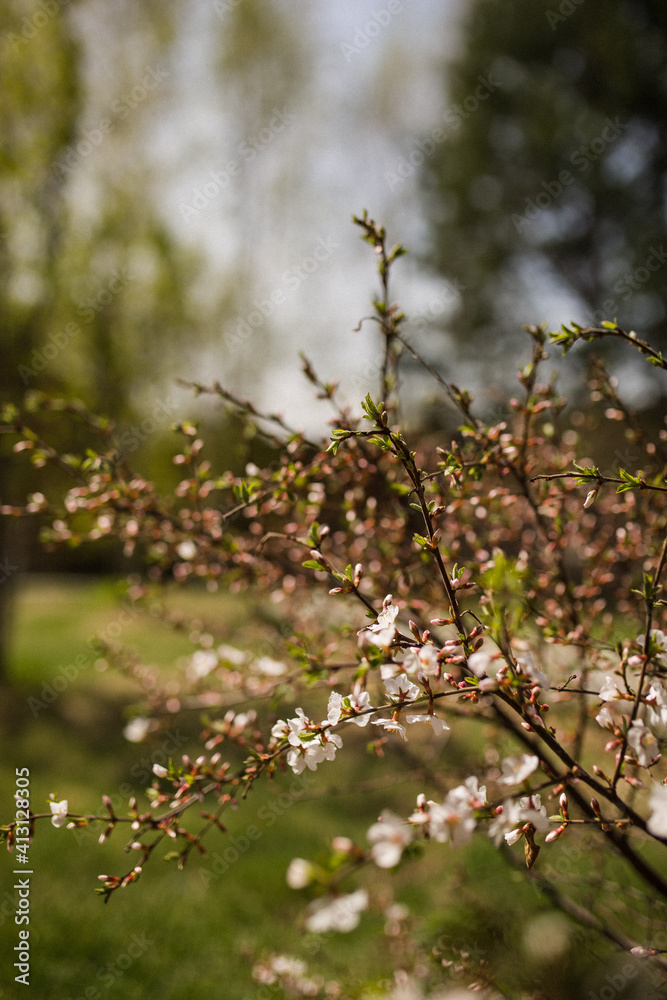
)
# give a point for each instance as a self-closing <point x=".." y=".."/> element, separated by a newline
<point x="551" y="169"/>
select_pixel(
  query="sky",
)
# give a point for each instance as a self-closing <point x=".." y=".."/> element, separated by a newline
<point x="264" y="190"/>
<point x="279" y="196"/>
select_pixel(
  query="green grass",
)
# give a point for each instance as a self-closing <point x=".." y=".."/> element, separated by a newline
<point x="57" y="619"/>
<point x="198" y="932"/>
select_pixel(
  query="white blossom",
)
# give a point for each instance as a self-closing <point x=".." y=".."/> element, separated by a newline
<point x="389" y="837"/>
<point x="660" y="639"/>
<point x="382" y="632"/>
<point x="472" y="789"/>
<point x="517" y="769"/>
<point x="392" y="726"/>
<point x="656" y="702"/>
<point x="336" y="913"/>
<point x="382" y="638"/>
<point x="514" y="815"/>
<point x="479" y="663"/>
<point x="423" y="660"/>
<point x="280" y="730"/>
<point x="230" y="654"/>
<point x="59" y="812"/>
<point x="454" y="819"/>
<point x="334" y="708"/>
<point x="643" y="742"/>
<point x="387" y="616"/>
<point x="297" y="726"/>
<point x="604" y="718"/>
<point x="309" y="748"/>
<point x="299" y="873"/>
<point x="137" y="729"/>
<point x="187" y="550"/>
<point x="402" y="687"/>
<point x="439" y="725"/>
<point x="270" y="667"/>
<point x="657" y="822"/>
<point x="202" y="663"/>
<point x="284" y="972"/>
<point x="339" y="704"/>
<point x="360" y="703"/>
<point x="609" y="690"/>
<point x="287" y="965"/>
<point x="388" y="670"/>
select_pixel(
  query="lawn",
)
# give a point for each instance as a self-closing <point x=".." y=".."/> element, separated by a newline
<point x="197" y="933"/>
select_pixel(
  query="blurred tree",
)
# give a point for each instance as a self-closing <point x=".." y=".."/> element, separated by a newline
<point x="547" y="182"/>
<point x="264" y="69"/>
<point x="95" y="294"/>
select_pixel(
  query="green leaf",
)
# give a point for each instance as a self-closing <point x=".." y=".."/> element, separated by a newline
<point x="396" y="251"/>
<point x="371" y="410"/>
<point x="629" y="481"/>
<point x="381" y="443"/>
<point x="241" y="491"/>
<point x="314" y="535"/>
<point x="590" y="471"/>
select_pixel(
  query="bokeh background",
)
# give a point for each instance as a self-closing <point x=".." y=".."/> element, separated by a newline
<point x="176" y="187"/>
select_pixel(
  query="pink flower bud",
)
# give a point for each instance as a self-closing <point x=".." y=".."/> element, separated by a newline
<point x="591" y="497"/>
<point x="554" y="834"/>
<point x="343" y="844"/>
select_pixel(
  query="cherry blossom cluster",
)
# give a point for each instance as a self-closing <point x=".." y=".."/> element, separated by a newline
<point x="525" y="576"/>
